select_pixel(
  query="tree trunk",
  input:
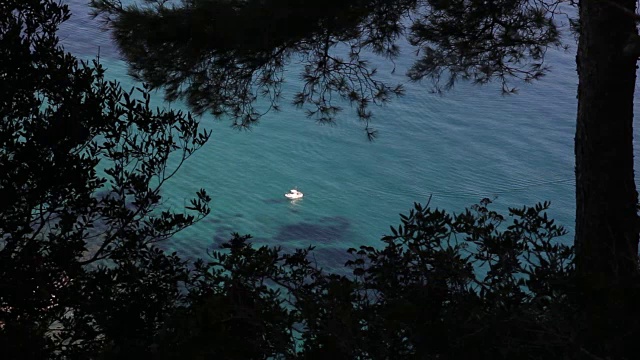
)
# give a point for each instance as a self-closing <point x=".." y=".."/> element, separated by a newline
<point x="606" y="197"/>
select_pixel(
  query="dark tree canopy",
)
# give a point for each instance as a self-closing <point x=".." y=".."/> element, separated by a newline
<point x="82" y="164"/>
<point x="417" y="297"/>
<point x="222" y="56"/>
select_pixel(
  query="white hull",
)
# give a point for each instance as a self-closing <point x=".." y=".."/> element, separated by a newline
<point x="294" y="194"/>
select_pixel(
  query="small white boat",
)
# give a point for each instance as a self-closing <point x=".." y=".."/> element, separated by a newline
<point x="294" y="194"/>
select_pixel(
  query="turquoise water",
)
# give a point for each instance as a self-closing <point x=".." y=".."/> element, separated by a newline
<point x="469" y="144"/>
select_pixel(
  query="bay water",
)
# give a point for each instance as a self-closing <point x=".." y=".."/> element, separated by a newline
<point x="457" y="148"/>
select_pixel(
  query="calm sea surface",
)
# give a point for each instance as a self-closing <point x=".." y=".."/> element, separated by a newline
<point x="469" y="144"/>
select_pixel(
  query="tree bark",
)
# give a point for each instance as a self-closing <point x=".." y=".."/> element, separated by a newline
<point x="606" y="198"/>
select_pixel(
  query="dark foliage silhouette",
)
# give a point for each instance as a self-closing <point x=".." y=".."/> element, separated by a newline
<point x="221" y="56"/>
<point x="82" y="165"/>
<point x="418" y="296"/>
